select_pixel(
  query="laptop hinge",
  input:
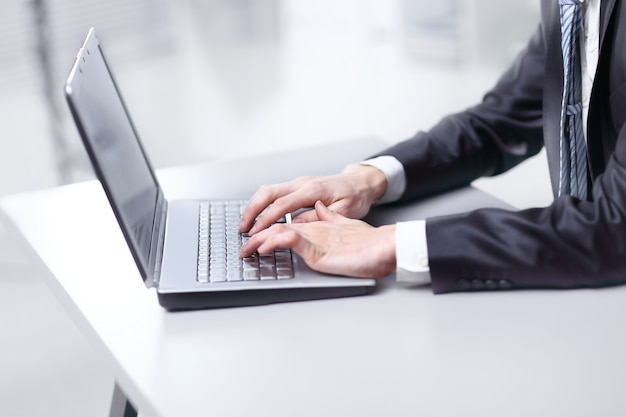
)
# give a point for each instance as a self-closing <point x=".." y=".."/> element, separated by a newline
<point x="156" y="252"/>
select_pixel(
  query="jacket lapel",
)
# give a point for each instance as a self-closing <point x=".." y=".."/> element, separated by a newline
<point x="553" y="89"/>
<point x="597" y="107"/>
<point x="606" y="10"/>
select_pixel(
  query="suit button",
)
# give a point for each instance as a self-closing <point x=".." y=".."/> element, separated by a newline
<point x="491" y="284"/>
<point x="504" y="284"/>
<point x="478" y="284"/>
<point x="464" y="284"/>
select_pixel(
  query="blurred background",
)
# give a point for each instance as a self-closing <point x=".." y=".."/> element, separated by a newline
<point x="221" y="79"/>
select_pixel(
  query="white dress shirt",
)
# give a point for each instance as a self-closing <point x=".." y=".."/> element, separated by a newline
<point x="411" y="243"/>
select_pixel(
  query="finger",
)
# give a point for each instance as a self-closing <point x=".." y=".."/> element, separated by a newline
<point x="262" y="241"/>
<point x="253" y="243"/>
<point x="325" y="214"/>
<point x="306" y="217"/>
<point x="261" y="199"/>
<point x="287" y="239"/>
<point x="285" y="204"/>
<point x="345" y="208"/>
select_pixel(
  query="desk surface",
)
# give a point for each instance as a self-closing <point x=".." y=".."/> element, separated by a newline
<point x="399" y="352"/>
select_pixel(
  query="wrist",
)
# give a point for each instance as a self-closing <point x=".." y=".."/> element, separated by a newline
<point x="388" y="259"/>
<point x="368" y="181"/>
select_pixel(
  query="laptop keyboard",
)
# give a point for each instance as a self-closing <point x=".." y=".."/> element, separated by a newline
<point x="219" y="245"/>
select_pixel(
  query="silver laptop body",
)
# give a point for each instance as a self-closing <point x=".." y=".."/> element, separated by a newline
<point x="164" y="236"/>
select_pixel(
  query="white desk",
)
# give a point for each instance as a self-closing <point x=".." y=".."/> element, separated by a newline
<point x="398" y="352"/>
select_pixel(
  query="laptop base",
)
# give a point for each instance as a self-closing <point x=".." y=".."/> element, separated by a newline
<point x="221" y="299"/>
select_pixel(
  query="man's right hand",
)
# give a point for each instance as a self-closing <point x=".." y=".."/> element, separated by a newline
<point x="350" y="193"/>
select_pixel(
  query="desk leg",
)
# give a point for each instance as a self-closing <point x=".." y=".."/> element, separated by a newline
<point x="120" y="406"/>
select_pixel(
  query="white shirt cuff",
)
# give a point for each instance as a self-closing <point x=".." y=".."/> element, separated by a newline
<point x="412" y="253"/>
<point x="394" y="171"/>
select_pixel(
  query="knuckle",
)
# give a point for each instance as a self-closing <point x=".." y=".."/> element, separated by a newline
<point x="277" y="229"/>
<point x="265" y="189"/>
<point x="280" y="201"/>
<point x="316" y="187"/>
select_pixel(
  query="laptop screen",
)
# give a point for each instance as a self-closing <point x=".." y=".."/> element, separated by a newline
<point x="114" y="149"/>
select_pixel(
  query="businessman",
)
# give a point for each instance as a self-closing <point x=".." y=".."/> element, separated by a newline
<point x="566" y="91"/>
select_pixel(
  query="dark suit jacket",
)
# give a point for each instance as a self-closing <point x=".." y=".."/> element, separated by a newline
<point x="569" y="244"/>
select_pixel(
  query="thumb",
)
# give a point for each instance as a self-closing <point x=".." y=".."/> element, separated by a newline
<point x="325" y="214"/>
<point x="306" y="217"/>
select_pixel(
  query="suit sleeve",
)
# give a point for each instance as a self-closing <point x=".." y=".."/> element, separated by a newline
<point x="569" y="244"/>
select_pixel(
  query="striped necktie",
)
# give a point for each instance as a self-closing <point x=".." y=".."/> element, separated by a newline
<point x="573" y="149"/>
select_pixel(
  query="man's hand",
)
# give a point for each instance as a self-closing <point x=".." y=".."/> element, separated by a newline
<point x="332" y="245"/>
<point x="350" y="193"/>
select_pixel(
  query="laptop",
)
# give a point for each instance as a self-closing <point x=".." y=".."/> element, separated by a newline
<point x="187" y="249"/>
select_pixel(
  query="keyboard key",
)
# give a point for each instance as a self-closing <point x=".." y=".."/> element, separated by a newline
<point x="220" y="244"/>
<point x="251" y="275"/>
<point x="284" y="273"/>
<point x="217" y="278"/>
<point x="268" y="272"/>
